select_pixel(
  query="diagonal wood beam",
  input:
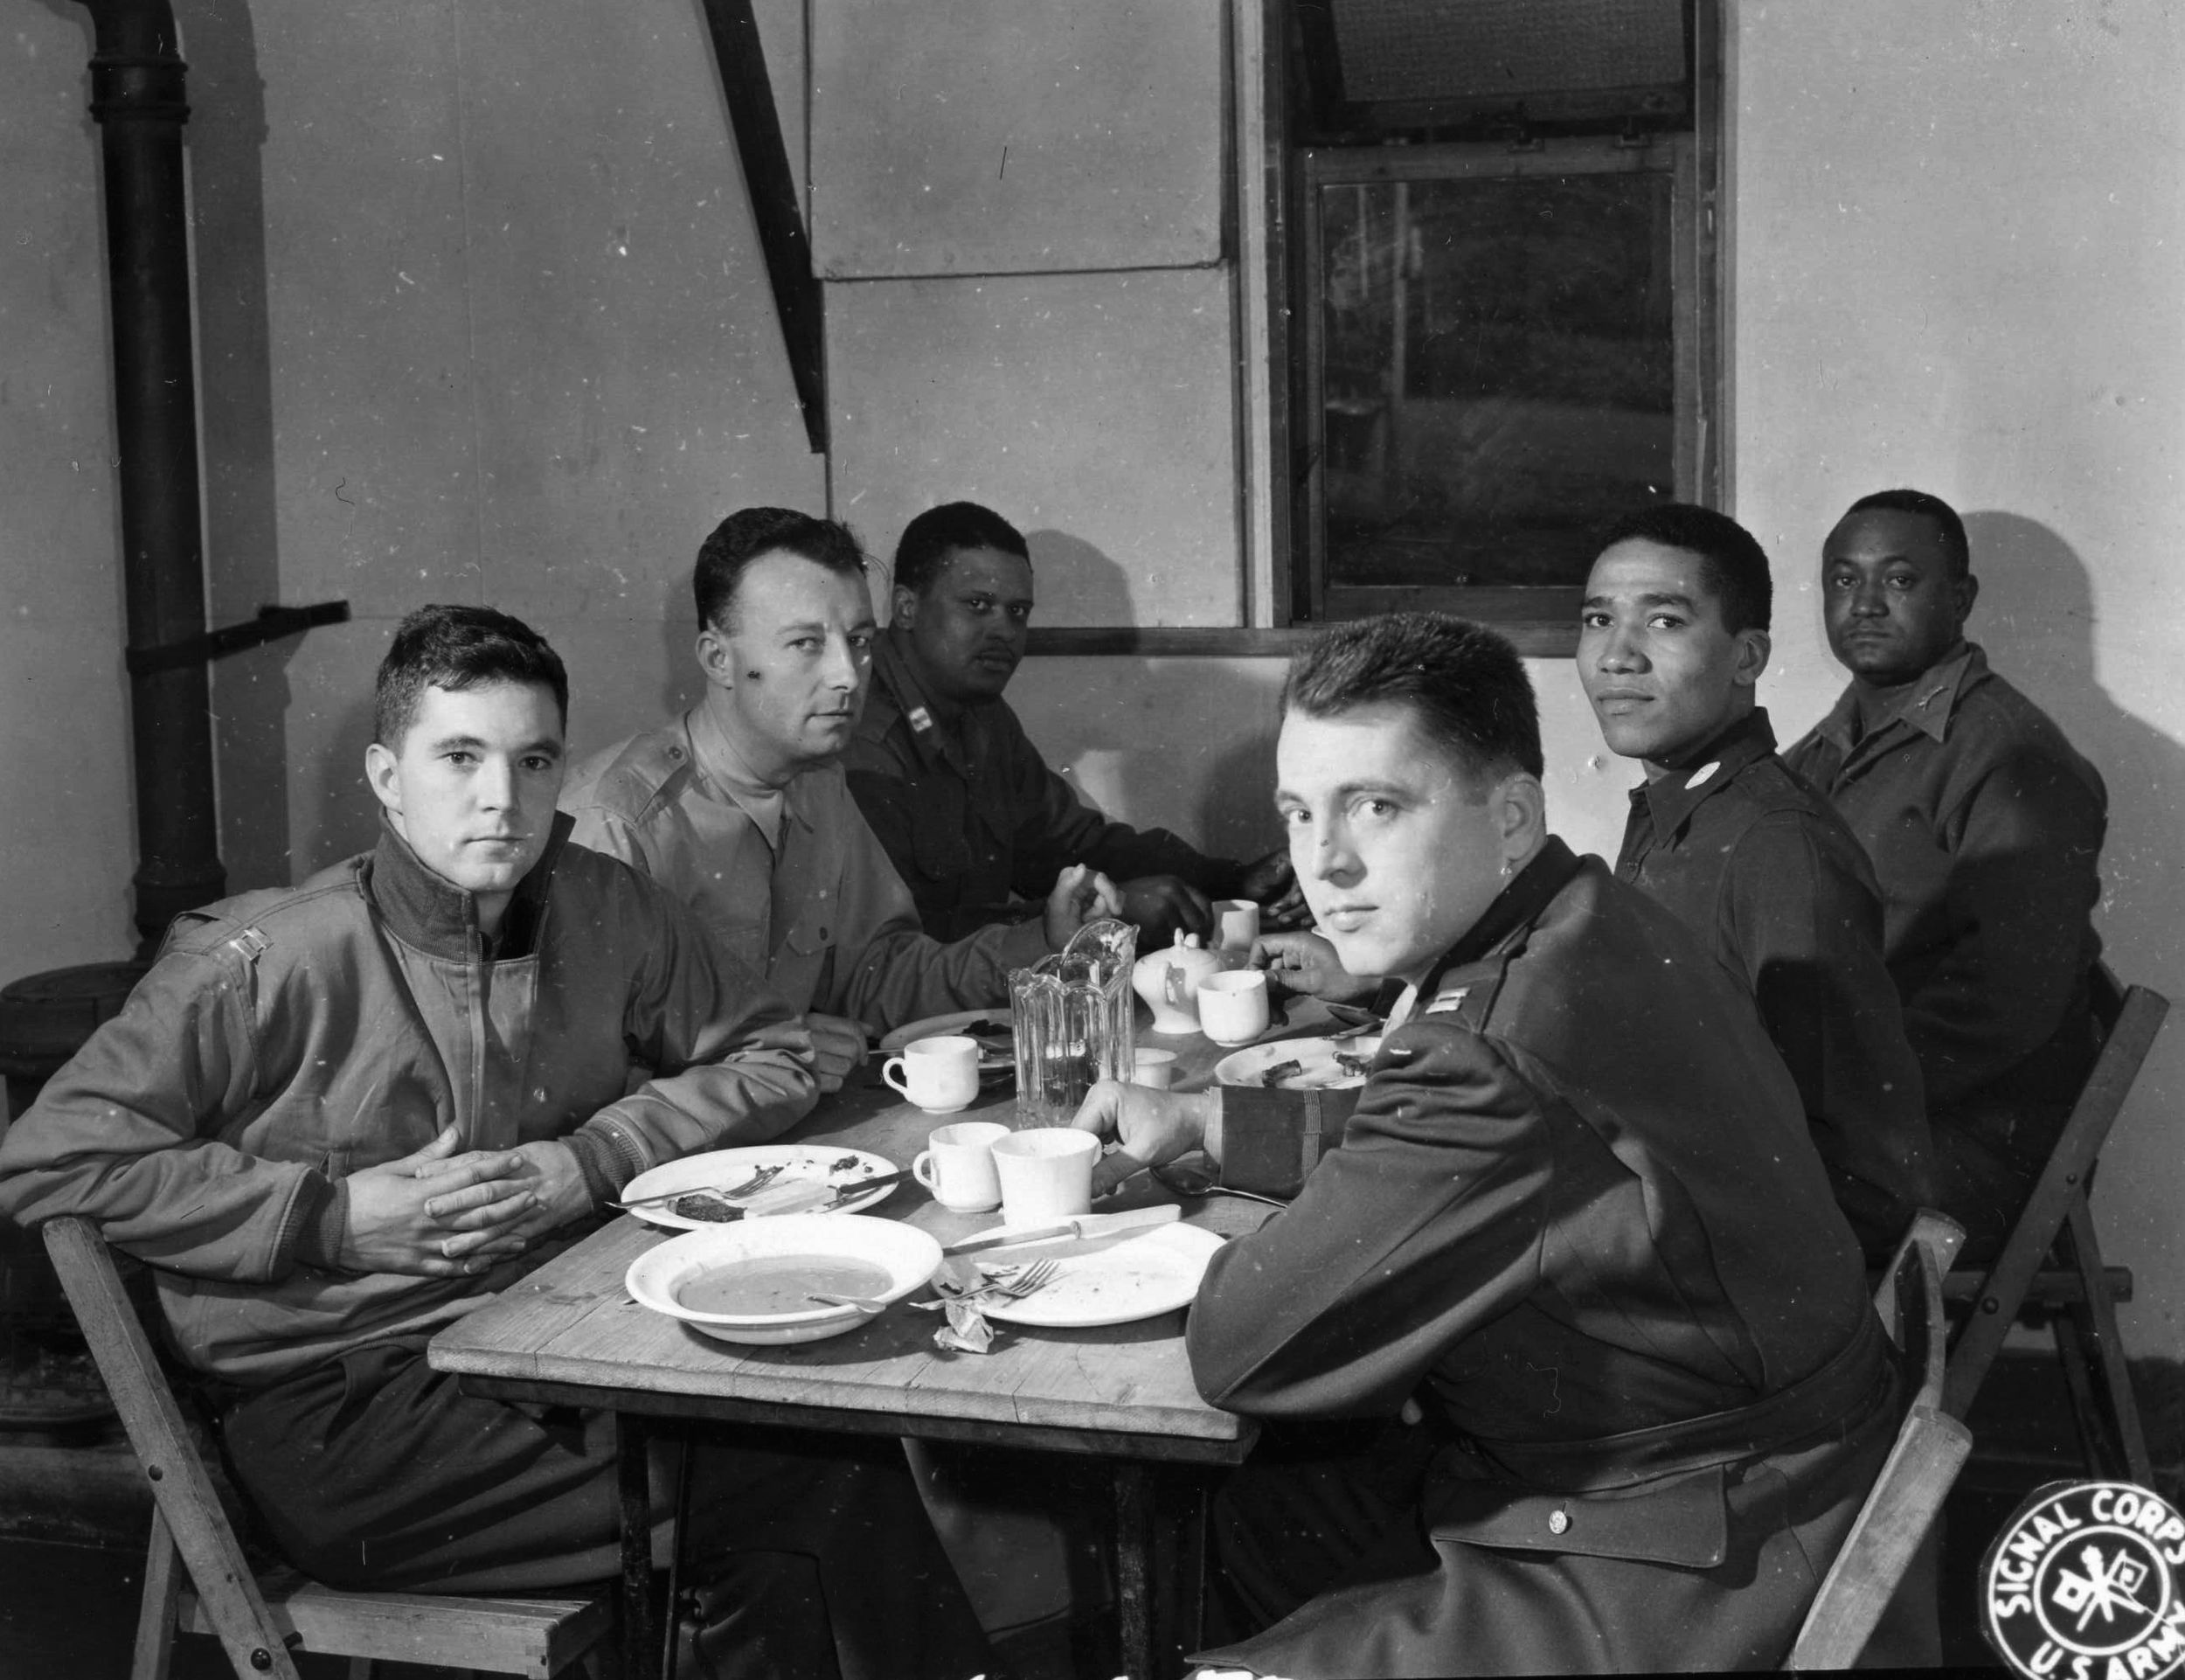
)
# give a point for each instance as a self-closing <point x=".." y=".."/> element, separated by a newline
<point x="775" y="204"/>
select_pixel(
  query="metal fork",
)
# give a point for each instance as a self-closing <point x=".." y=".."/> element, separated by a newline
<point x="1033" y="1278"/>
<point x="758" y="1181"/>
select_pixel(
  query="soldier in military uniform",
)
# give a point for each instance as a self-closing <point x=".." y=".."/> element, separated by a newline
<point x="1575" y="1224"/>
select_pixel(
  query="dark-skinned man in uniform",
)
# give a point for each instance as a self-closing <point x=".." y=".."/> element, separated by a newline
<point x="1673" y="638"/>
<point x="964" y="802"/>
<point x="1575" y="1217"/>
<point x="1985" y="827"/>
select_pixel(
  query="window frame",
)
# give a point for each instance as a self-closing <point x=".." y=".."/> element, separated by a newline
<point x="1536" y="614"/>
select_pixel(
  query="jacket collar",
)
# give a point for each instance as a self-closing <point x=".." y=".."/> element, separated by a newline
<point x="1671" y="798"/>
<point x="437" y="917"/>
<point x="1512" y="914"/>
<point x="894" y="681"/>
<point x="1926" y="703"/>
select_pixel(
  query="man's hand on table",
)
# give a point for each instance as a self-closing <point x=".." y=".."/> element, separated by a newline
<point x="1272" y="883"/>
<point x="1081" y="894"/>
<point x="838" y="1049"/>
<point x="436" y="1212"/>
<point x="1307" y="963"/>
<point x="1153" y="1127"/>
<point x="1158" y="904"/>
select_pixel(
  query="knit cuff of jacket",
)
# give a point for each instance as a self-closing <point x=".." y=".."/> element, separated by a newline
<point x="605" y="1165"/>
<point x="317" y="1220"/>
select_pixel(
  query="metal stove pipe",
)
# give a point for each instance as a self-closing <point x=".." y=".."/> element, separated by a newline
<point x="137" y="97"/>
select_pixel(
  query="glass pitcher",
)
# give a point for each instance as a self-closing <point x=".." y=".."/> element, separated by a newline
<point x="1073" y="1019"/>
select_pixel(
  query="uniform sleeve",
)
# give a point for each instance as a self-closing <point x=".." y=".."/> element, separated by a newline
<point x="1806" y="919"/>
<point x="129" y="1134"/>
<point x="732" y="1062"/>
<point x="888" y="972"/>
<point x="2026" y="846"/>
<point x="1056" y="829"/>
<point x="1427" y="1222"/>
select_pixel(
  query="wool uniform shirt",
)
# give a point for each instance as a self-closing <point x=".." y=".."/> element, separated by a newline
<point x="1754" y="862"/>
<point x="1985" y="827"/>
<point x="790" y="881"/>
<point x="969" y="812"/>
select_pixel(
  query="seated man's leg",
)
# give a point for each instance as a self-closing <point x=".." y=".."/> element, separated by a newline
<point x="804" y="1557"/>
<point x="1310" y="1507"/>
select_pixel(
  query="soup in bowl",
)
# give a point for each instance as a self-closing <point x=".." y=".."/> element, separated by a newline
<point x="751" y="1283"/>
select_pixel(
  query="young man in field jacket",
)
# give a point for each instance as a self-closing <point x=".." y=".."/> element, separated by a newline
<point x="336" y="1118"/>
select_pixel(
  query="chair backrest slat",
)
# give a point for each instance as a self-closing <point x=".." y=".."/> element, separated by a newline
<point x="2132" y="1029"/>
<point x="154" y="1423"/>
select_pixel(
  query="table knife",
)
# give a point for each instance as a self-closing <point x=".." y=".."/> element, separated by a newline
<point x="816" y="1199"/>
<point x="1085" y="1224"/>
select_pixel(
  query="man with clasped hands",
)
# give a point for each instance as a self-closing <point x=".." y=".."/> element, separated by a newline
<point x="1575" y="1219"/>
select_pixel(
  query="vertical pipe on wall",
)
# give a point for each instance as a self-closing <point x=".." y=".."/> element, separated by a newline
<point x="137" y="98"/>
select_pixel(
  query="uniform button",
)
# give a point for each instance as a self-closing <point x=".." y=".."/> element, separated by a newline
<point x="1558" y="1520"/>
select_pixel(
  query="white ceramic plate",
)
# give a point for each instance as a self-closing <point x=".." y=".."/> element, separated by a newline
<point x="991" y="1061"/>
<point x="908" y="1255"/>
<point x="1318" y="1069"/>
<point x="1142" y="1278"/>
<point x="811" y="1163"/>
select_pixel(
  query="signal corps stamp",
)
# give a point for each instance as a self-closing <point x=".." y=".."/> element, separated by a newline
<point x="2087" y="1582"/>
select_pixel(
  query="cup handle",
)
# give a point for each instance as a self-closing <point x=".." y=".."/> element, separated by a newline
<point x="924" y="1170"/>
<point x="889" y="1069"/>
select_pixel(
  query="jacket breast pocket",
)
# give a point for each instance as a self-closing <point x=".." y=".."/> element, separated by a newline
<point x="1682" y="1520"/>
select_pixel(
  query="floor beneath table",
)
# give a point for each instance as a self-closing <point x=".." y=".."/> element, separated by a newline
<point x="71" y="1609"/>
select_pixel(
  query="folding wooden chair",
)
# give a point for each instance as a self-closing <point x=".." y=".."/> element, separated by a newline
<point x="259" y="1619"/>
<point x="2051" y="1263"/>
<point x="1907" y="1496"/>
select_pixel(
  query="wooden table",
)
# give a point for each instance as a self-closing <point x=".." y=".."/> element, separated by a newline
<point x="569" y="1335"/>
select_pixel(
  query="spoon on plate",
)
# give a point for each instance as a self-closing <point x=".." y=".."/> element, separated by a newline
<point x="1196" y="1184"/>
<point x="870" y="1309"/>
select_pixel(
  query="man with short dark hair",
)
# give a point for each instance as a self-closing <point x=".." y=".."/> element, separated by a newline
<point x="958" y="795"/>
<point x="1573" y="1216"/>
<point x="336" y="1118"/>
<point x="1673" y="639"/>
<point x="740" y="809"/>
<point x="1985" y="827"/>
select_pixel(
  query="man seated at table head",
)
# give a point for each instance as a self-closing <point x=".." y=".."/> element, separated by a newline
<point x="1574" y="1216"/>
<point x="740" y="809"/>
<point x="961" y="799"/>
<point x="1673" y="638"/>
<point x="1985" y="827"/>
<point x="336" y="1118"/>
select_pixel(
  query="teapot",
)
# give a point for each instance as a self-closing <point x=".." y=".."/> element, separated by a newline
<point x="1169" y="981"/>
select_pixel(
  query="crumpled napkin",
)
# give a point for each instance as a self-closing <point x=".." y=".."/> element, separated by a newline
<point x="960" y="1286"/>
<point x="966" y="1331"/>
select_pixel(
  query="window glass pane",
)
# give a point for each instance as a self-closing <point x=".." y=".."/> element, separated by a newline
<point x="1498" y="375"/>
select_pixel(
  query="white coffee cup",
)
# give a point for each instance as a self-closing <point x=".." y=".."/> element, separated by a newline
<point x="1046" y="1173"/>
<point x="957" y="1165"/>
<point x="1236" y="924"/>
<point x="1233" y="1006"/>
<point x="1154" y="1067"/>
<point x="941" y="1075"/>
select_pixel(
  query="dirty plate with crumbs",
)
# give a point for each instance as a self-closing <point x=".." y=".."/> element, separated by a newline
<point x="704" y="1176"/>
<point x="1113" y="1281"/>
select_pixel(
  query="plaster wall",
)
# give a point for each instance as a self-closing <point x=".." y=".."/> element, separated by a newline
<point x="67" y="822"/>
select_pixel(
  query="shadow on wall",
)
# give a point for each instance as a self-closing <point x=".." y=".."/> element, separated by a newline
<point x="2035" y="618"/>
<point x="251" y="692"/>
<point x="1076" y="583"/>
<point x="1187" y="744"/>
